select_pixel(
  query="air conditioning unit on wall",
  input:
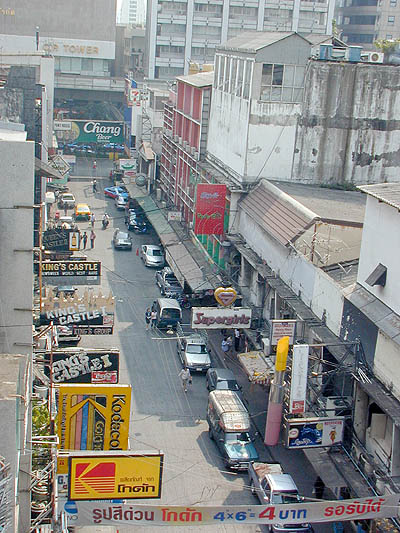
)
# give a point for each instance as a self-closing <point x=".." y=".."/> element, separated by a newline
<point x="373" y="57"/>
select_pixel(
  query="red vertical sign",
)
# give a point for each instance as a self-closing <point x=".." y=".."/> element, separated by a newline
<point x="209" y="209"/>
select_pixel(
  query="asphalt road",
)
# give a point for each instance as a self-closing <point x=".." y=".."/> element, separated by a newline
<point x="163" y="417"/>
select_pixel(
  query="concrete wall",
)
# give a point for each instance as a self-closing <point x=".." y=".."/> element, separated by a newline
<point x="381" y="244"/>
<point x="91" y="19"/>
<point x="387" y="363"/>
<point x="16" y="231"/>
<point x="354" y="109"/>
<point x="328" y="300"/>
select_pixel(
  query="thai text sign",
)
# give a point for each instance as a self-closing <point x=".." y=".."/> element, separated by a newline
<point x="314" y="432"/>
<point x="84" y="367"/>
<point x="298" y="381"/>
<point x="103" y="477"/>
<point x="94" y="417"/>
<point x="217" y="318"/>
<point x="65" y="269"/>
<point x="90" y="131"/>
<point x="209" y="209"/>
<point x="282" y="328"/>
<point x="107" y="514"/>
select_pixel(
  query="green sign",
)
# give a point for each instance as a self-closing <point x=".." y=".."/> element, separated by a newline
<point x="92" y="131"/>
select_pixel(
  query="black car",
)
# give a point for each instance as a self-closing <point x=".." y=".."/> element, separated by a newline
<point x="223" y="379"/>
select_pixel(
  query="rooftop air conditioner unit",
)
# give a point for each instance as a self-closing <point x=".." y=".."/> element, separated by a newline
<point x="374" y="57"/>
<point x="336" y="405"/>
<point x="176" y="138"/>
<point x="197" y="155"/>
<point x="179" y="140"/>
<point x="186" y="145"/>
<point x="192" y="150"/>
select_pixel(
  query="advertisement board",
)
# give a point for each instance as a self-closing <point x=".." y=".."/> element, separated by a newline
<point x="98" y="513"/>
<point x="298" y="381"/>
<point x="217" y="318"/>
<point x="68" y="269"/>
<point x="95" y="367"/>
<point x="313" y="432"/>
<point x="60" y="239"/>
<point x="91" y="131"/>
<point x="282" y="328"/>
<point x="209" y="209"/>
<point x="127" y="165"/>
<point x="107" y="477"/>
<point x="93" y="417"/>
<point x="174" y="216"/>
<point x="93" y="330"/>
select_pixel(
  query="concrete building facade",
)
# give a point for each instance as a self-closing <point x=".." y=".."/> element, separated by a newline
<point x="362" y="22"/>
<point x="180" y="32"/>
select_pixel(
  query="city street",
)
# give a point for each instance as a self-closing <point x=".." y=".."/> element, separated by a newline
<point x="163" y="417"/>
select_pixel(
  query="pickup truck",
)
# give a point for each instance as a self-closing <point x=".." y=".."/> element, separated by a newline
<point x="167" y="282"/>
<point x="192" y="350"/>
<point x="272" y="486"/>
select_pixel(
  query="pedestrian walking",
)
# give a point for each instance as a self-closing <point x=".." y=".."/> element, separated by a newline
<point x="153" y="318"/>
<point x="225" y="346"/>
<point x="186" y="378"/>
<point x="92" y="219"/>
<point x="147" y="318"/>
<point x="92" y="238"/>
<point x="154" y="305"/>
<point x="94" y="164"/>
<point x="94" y="186"/>
<point x="237" y="339"/>
<point x="84" y="240"/>
<point x="319" y="487"/>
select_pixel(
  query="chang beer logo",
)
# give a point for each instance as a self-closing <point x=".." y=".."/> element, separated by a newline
<point x="103" y="131"/>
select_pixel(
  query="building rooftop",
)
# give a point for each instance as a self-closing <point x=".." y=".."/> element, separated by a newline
<point x="256" y="40"/>
<point x="344" y="273"/>
<point x="201" y="79"/>
<point x="330" y="205"/>
<point x="389" y="193"/>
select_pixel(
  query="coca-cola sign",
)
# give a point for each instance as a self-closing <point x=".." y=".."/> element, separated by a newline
<point x="217" y="318"/>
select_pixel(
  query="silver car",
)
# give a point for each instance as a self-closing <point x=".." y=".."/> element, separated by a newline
<point x="120" y="202"/>
<point x="152" y="255"/>
<point x="122" y="240"/>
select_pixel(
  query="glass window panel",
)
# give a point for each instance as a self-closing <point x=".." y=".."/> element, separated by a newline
<point x="97" y="65"/>
<point x="277" y="77"/>
<point x="288" y="76"/>
<point x="76" y="64"/>
<point x="65" y="64"/>
<point x="276" y="94"/>
<point x="299" y="76"/>
<point x="265" y="94"/>
<point x="297" y="95"/>
<point x="287" y="94"/>
<point x="266" y="77"/>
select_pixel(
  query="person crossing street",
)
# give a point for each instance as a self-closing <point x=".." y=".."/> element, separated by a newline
<point x="186" y="378"/>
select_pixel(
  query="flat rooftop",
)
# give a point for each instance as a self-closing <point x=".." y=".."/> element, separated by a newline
<point x="328" y="204"/>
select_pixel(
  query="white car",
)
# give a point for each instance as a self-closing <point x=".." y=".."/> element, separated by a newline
<point x="66" y="200"/>
<point x="152" y="255"/>
<point x="120" y="202"/>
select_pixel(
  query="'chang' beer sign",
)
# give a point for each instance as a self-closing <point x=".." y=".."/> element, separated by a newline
<point x="97" y="367"/>
<point x="89" y="310"/>
<point x="93" y="417"/>
<point x="91" y="131"/>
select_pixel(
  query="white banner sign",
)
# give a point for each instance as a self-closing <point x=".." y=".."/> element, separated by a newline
<point x="108" y="514"/>
<point x="298" y="383"/>
<point x="64" y="125"/>
<point x="217" y="318"/>
<point x="174" y="216"/>
<point x="282" y="328"/>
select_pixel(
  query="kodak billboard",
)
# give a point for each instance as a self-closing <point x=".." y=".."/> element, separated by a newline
<point x="93" y="417"/>
<point x="115" y="476"/>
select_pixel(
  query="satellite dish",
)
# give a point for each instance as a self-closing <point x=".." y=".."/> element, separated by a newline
<point x="141" y="180"/>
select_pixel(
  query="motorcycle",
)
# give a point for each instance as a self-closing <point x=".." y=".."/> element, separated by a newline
<point x="183" y="300"/>
<point x="105" y="223"/>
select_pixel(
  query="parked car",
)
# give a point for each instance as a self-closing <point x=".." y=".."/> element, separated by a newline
<point x="222" y="379"/>
<point x="82" y="212"/>
<point x="152" y="255"/>
<point x="122" y="240"/>
<point x="113" y="192"/>
<point x="137" y="225"/>
<point x="65" y="221"/>
<point x="167" y="282"/>
<point x="66" y="200"/>
<point x="120" y="202"/>
<point x="192" y="350"/>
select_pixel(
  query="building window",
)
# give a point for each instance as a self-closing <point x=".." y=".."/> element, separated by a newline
<point x="391" y="21"/>
<point x="389" y="36"/>
<point x="393" y="3"/>
<point x="282" y="83"/>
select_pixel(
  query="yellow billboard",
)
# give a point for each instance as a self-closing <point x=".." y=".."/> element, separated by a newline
<point x="107" y="477"/>
<point x="93" y="417"/>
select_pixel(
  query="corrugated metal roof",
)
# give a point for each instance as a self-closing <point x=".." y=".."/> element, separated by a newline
<point x="277" y="213"/>
<point x="384" y="192"/>
<point x="201" y="79"/>
<point x="256" y="40"/>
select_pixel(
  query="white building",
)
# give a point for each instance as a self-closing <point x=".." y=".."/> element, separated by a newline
<point x="129" y="11"/>
<point x="372" y="314"/>
<point x="179" y="32"/>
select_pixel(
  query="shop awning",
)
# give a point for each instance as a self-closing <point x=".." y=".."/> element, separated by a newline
<point x="44" y="169"/>
<point x="146" y="151"/>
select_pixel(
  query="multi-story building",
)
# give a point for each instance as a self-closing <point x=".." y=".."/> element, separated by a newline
<point x="128" y="12"/>
<point x="180" y="32"/>
<point x="129" y="52"/>
<point x="361" y="22"/>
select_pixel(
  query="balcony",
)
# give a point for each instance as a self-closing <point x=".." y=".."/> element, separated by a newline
<point x="88" y="83"/>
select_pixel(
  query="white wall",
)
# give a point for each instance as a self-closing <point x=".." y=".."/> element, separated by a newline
<point x="328" y="296"/>
<point x="228" y="129"/>
<point x="387" y="363"/>
<point x="381" y="244"/>
<point x="16" y="236"/>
